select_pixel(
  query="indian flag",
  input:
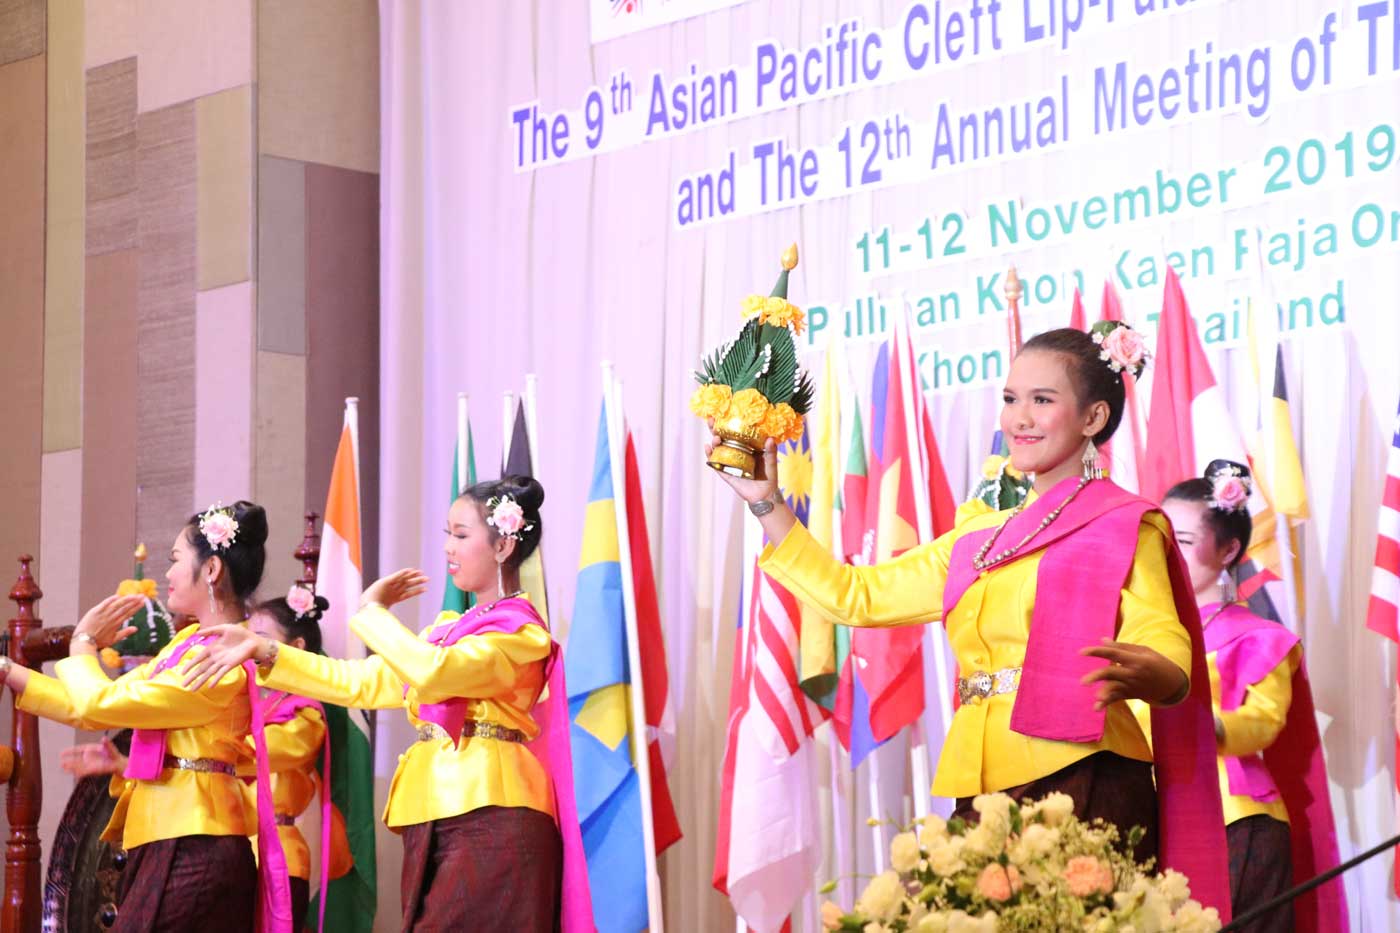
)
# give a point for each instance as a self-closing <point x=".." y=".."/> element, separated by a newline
<point x="351" y="900"/>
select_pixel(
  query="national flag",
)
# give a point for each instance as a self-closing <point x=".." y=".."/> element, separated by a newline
<point x="1383" y="609"/>
<point x="463" y="475"/>
<point x="1124" y="451"/>
<point x="607" y="787"/>
<point x="656" y="678"/>
<point x="1189" y="425"/>
<point x="819" y="670"/>
<point x="889" y="662"/>
<point x="1077" y="319"/>
<point x="351" y="900"/>
<point x="768" y="841"/>
<point x="851" y="705"/>
<point x="519" y="461"/>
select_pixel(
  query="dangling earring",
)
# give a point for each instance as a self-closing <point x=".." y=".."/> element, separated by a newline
<point x="1092" y="470"/>
<point x="213" y="603"/>
<point x="1228" y="590"/>
<point x="500" y="583"/>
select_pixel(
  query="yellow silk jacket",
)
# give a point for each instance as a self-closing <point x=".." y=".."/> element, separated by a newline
<point x="292" y="747"/>
<point x="988" y="630"/>
<point x="1253" y="727"/>
<point x="209" y="723"/>
<point x="501" y="675"/>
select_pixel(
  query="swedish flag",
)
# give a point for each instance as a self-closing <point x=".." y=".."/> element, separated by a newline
<point x="606" y="785"/>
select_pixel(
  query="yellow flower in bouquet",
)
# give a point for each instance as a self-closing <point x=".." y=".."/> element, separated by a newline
<point x="711" y="401"/>
<point x="748" y="407"/>
<point x="753" y="306"/>
<point x="781" y="423"/>
<point x="779" y="312"/>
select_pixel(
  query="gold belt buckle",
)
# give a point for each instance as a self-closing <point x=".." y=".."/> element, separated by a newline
<point x="201" y="765"/>
<point x="984" y="684"/>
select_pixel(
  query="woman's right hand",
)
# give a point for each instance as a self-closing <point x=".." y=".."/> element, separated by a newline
<point x="92" y="758"/>
<point x="763" y="486"/>
<point x="395" y="588"/>
<point x="233" y="645"/>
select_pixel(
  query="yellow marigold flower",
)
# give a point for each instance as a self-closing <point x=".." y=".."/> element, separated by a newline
<point x="753" y="306"/>
<point x="710" y="401"/>
<point x="1012" y="472"/>
<point x="991" y="467"/>
<point x="778" y="312"/>
<point x="110" y="658"/>
<point x="146" y="588"/>
<point x="795" y="434"/>
<point x="780" y="422"/>
<point x="749" y="407"/>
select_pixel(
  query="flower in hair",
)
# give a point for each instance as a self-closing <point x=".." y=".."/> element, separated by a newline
<point x="219" y="527"/>
<point x="1229" y="490"/>
<point x="506" y="516"/>
<point x="301" y="600"/>
<point x="1120" y="347"/>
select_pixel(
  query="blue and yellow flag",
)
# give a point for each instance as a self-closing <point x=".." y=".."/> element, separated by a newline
<point x="606" y="785"/>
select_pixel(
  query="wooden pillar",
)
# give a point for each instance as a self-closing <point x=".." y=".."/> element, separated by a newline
<point x="309" y="551"/>
<point x="22" y="908"/>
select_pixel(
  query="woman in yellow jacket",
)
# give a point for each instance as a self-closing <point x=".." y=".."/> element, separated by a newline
<point x="180" y="812"/>
<point x="475" y="798"/>
<point x="1057" y="611"/>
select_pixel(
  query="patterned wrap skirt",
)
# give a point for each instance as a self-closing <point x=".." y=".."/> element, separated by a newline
<point x="204" y="883"/>
<point x="495" y="868"/>
<point x="1104" y="786"/>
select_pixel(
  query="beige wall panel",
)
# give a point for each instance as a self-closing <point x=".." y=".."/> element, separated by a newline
<point x="281" y="255"/>
<point x="223" y="429"/>
<point x="318" y="82"/>
<point x="190" y="48"/>
<point x="279" y="466"/>
<point x="65" y="207"/>
<point x="61" y="530"/>
<point x="110" y="436"/>
<point x="21" y="29"/>
<point x="165" y="185"/>
<point x="111" y="31"/>
<point x="22" y="285"/>
<point x="111" y="157"/>
<point x="224" y="129"/>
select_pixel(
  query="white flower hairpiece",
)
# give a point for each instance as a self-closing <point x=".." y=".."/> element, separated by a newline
<point x="506" y="516"/>
<point x="1230" y="489"/>
<point x="219" y="527"/>
<point x="1120" y="347"/>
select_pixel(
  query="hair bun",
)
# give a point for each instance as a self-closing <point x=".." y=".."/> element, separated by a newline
<point x="525" y="490"/>
<point x="252" y="523"/>
<point x="1217" y="468"/>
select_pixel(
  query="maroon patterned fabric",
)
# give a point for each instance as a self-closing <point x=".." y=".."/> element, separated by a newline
<point x="495" y="868"/>
<point x="1261" y="868"/>
<point x="204" y="883"/>
<point x="301" y="897"/>
<point x="1104" y="786"/>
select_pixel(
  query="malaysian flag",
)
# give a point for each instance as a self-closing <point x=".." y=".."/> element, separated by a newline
<point x="1384" y="610"/>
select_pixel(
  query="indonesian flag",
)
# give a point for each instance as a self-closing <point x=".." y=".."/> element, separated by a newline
<point x="1383" y="611"/>
<point x="1188" y="424"/>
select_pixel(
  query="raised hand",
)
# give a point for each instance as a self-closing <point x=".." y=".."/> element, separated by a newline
<point x="233" y="645"/>
<point x="763" y="486"/>
<point x="1135" y="672"/>
<point x="106" y="622"/>
<point x="395" y="588"/>
<point x="92" y="758"/>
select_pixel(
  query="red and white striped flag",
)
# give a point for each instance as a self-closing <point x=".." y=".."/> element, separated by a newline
<point x="1383" y="612"/>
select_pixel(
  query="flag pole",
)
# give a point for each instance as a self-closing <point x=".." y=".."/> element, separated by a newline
<point x="877" y="834"/>
<point x="641" y="754"/>
<point x="507" y="425"/>
<point x="461" y="477"/>
<point x="923" y="510"/>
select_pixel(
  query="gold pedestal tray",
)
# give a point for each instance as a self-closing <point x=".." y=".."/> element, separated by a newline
<point x="739" y="451"/>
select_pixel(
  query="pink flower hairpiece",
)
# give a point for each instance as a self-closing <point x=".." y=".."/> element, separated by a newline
<point x="506" y="516"/>
<point x="219" y="527"/>
<point x="301" y="599"/>
<point x="1120" y="347"/>
<point x="1230" y="490"/>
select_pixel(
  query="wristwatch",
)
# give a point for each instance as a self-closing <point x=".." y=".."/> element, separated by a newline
<point x="5" y="665"/>
<point x="84" y="636"/>
<point x="762" y="507"/>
